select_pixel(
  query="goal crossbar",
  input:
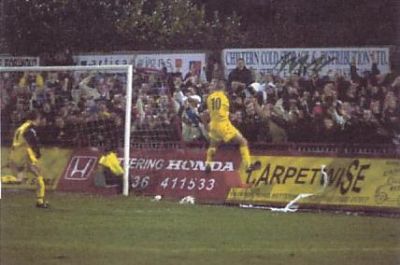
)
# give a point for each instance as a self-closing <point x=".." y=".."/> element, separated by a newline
<point x="64" y="68"/>
<point x="128" y="106"/>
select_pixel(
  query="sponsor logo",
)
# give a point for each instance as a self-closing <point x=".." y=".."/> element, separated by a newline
<point x="80" y="167"/>
<point x="347" y="179"/>
<point x="105" y="59"/>
<point x="18" y="61"/>
<point x="390" y="191"/>
<point x="198" y="165"/>
<point x="178" y="164"/>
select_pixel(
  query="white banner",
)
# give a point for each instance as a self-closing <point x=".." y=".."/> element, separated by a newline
<point x="174" y="62"/>
<point x="11" y="61"/>
<point x="104" y="59"/>
<point x="325" y="61"/>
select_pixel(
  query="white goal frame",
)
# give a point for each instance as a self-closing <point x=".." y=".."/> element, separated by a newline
<point x="128" y="69"/>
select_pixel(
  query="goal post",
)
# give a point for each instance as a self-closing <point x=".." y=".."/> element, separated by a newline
<point x="128" y="70"/>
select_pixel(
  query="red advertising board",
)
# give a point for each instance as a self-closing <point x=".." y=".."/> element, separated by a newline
<point x="180" y="173"/>
<point x="354" y="183"/>
<point x="173" y="174"/>
<point x="80" y="174"/>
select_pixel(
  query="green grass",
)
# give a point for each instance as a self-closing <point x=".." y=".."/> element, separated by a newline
<point x="83" y="229"/>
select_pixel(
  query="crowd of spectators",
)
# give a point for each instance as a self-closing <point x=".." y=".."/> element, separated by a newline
<point x="75" y="106"/>
<point x="267" y="108"/>
<point x="85" y="108"/>
<point x="88" y="109"/>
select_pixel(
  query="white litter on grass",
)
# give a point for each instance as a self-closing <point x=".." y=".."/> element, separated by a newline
<point x="157" y="198"/>
<point x="292" y="206"/>
<point x="187" y="200"/>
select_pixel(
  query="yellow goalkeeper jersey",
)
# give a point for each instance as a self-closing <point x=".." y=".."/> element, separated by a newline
<point x="111" y="162"/>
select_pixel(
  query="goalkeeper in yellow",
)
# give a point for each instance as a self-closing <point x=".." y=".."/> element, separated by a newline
<point x="25" y="154"/>
<point x="221" y="128"/>
<point x="111" y="169"/>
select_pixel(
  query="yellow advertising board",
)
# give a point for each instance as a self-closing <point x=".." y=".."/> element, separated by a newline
<point x="52" y="162"/>
<point x="353" y="182"/>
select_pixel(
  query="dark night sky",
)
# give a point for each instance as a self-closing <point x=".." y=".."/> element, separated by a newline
<point x="264" y="23"/>
<point x="362" y="15"/>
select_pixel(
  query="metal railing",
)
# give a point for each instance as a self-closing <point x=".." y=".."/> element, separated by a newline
<point x="297" y="149"/>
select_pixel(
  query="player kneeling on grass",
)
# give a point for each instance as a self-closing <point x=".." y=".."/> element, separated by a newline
<point x="111" y="169"/>
<point x="25" y="154"/>
<point x="221" y="128"/>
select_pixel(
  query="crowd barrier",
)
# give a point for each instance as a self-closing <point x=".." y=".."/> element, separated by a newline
<point x="333" y="149"/>
<point x="355" y="182"/>
<point x="340" y="150"/>
<point x="357" y="179"/>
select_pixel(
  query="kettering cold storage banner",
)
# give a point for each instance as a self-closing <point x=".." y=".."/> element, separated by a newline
<point x="361" y="182"/>
<point x="325" y="61"/>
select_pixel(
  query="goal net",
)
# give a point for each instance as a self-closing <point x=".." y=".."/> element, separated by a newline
<point x="81" y="106"/>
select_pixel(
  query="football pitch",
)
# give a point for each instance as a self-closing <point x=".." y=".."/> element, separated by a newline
<point x="84" y="229"/>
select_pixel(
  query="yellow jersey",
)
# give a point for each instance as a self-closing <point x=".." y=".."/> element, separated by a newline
<point x="218" y="107"/>
<point x="110" y="161"/>
<point x="19" y="135"/>
<point x="25" y="145"/>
